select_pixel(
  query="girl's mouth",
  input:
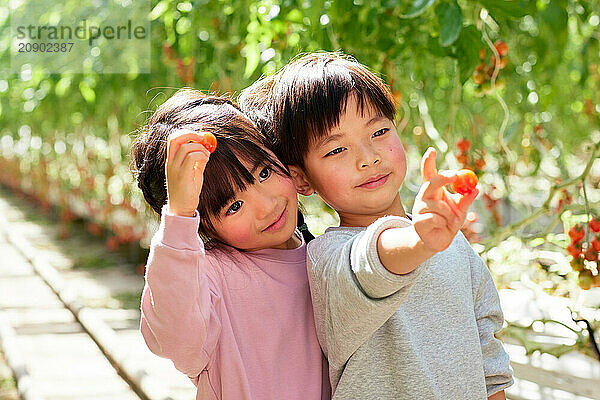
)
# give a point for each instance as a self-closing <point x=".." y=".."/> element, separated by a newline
<point x="375" y="182"/>
<point x="279" y="223"/>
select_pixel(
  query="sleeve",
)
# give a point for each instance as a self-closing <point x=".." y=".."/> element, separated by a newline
<point x="489" y="317"/>
<point x="179" y="319"/>
<point x="353" y="293"/>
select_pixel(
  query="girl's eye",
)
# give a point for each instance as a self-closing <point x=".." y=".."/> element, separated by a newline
<point x="381" y="132"/>
<point x="335" y="151"/>
<point x="264" y="173"/>
<point x="234" y="208"/>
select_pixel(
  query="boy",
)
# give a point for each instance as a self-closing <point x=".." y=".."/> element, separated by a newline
<point x="404" y="308"/>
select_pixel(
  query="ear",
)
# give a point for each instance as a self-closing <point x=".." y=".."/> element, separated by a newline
<point x="301" y="181"/>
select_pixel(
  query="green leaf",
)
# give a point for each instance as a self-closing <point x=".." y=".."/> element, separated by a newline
<point x="434" y="47"/>
<point x="252" y="59"/>
<point x="556" y="15"/>
<point x="450" y="18"/>
<point x="294" y="16"/>
<point x="506" y="8"/>
<point x="183" y="25"/>
<point x="87" y="92"/>
<point x="62" y="86"/>
<point x="158" y="10"/>
<point x="467" y="51"/>
<point x="417" y="8"/>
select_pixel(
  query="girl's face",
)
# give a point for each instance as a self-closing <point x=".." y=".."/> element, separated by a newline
<point x="263" y="216"/>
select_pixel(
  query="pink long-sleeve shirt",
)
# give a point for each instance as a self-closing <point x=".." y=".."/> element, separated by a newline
<point x="239" y="324"/>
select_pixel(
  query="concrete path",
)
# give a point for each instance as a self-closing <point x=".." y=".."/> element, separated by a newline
<point x="67" y="334"/>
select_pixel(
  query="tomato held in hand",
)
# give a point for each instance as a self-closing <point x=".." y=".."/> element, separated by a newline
<point x="209" y="141"/>
<point x="466" y="182"/>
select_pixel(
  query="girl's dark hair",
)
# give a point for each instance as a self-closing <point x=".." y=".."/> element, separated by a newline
<point x="224" y="176"/>
<point x="303" y="101"/>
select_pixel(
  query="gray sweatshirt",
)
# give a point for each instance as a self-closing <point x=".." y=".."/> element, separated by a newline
<point x="428" y="334"/>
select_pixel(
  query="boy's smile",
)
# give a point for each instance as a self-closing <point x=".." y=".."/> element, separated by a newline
<point x="358" y="167"/>
<point x="375" y="181"/>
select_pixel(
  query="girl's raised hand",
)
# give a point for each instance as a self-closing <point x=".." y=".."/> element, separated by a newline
<point x="438" y="214"/>
<point x="184" y="171"/>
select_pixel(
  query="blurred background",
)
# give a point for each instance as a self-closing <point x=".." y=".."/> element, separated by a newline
<point x="507" y="88"/>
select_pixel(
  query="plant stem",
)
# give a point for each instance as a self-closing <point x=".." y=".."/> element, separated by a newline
<point x="512" y="158"/>
<point x="587" y="209"/>
<point x="545" y="208"/>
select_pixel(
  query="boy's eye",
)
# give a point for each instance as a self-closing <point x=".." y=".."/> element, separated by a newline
<point x="335" y="151"/>
<point x="264" y="173"/>
<point x="381" y="132"/>
<point x="234" y="208"/>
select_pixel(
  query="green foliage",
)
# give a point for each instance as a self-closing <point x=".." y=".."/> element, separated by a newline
<point x="67" y="136"/>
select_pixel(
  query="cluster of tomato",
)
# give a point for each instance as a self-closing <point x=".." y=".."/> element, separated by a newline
<point x="184" y="70"/>
<point x="474" y="161"/>
<point x="484" y="71"/>
<point x="585" y="253"/>
<point x="466" y="183"/>
<point x="564" y="200"/>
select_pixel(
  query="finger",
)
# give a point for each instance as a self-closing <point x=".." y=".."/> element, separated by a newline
<point x="185" y="149"/>
<point x="452" y="202"/>
<point x="431" y="221"/>
<point x="434" y="188"/>
<point x="428" y="168"/>
<point x="464" y="202"/>
<point x="196" y="160"/>
<point x="178" y="138"/>
<point x="441" y="208"/>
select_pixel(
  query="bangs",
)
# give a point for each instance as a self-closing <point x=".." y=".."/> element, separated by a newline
<point x="311" y="96"/>
<point x="225" y="175"/>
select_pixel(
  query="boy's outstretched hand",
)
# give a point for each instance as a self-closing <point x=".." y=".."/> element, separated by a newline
<point x="437" y="214"/>
<point x="184" y="171"/>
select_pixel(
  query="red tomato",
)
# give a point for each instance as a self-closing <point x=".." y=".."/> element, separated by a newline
<point x="591" y="254"/>
<point x="576" y="233"/>
<point x="501" y="47"/>
<point x="208" y="140"/>
<point x="595" y="224"/>
<point x="463" y="145"/>
<point x="595" y="243"/>
<point x="466" y="182"/>
<point x="574" y="250"/>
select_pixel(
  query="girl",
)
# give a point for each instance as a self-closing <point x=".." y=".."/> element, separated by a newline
<point x="226" y="295"/>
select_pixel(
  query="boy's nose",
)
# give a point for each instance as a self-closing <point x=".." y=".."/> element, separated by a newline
<point x="367" y="158"/>
<point x="365" y="165"/>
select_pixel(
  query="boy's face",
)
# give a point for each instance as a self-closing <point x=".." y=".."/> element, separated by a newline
<point x="358" y="167"/>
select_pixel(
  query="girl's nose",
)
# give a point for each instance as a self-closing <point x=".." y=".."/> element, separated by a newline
<point x="264" y="204"/>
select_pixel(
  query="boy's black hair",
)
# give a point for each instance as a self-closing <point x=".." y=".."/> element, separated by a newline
<point x="300" y="104"/>
<point x="224" y="176"/>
